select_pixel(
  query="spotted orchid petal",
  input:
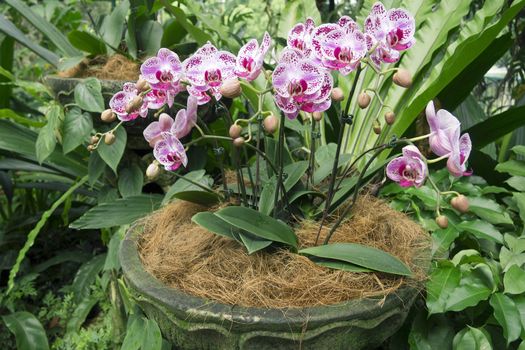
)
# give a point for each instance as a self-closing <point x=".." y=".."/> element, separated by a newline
<point x="153" y="132"/>
<point x="300" y="36"/>
<point x="444" y="130"/>
<point x="170" y="152"/>
<point x="185" y="119"/>
<point x="408" y="170"/>
<point x="202" y="96"/>
<point x="456" y="163"/>
<point x="250" y="58"/>
<point x="162" y="71"/>
<point x="121" y="99"/>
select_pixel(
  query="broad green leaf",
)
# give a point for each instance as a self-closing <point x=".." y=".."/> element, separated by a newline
<point x="368" y="257"/>
<point x="513" y="167"/>
<point x="200" y="36"/>
<point x="96" y="166"/>
<point x="324" y="157"/>
<point x="341" y="265"/>
<point x="507" y="315"/>
<point x="45" y="143"/>
<point x="430" y="333"/>
<point x="426" y="194"/>
<point x="253" y="243"/>
<point x="467" y="256"/>
<point x="476" y="285"/>
<point x="111" y="154"/>
<point x="173" y="33"/>
<point x="113" y="25"/>
<point x="152" y="338"/>
<point x="481" y="229"/>
<point x="442" y="239"/>
<point x="150" y="36"/>
<point x="29" y="333"/>
<point x="87" y="42"/>
<point x="80" y="313"/>
<point x="520" y="201"/>
<point x="441" y="284"/>
<point x="293" y="172"/>
<point x="199" y="197"/>
<point x="76" y="128"/>
<point x="86" y="276"/>
<point x="45" y="27"/>
<point x="514" y="280"/>
<point x="181" y="185"/>
<point x="516" y="244"/>
<point x="519" y="150"/>
<point x="509" y="258"/>
<point x="517" y="182"/>
<point x="130" y="181"/>
<point x="61" y="257"/>
<point x="258" y="224"/>
<point x="489" y="210"/>
<point x="112" y="261"/>
<point x="119" y="212"/>
<point x="213" y="223"/>
<point x="135" y="334"/>
<point x="519" y="301"/>
<point x="471" y="338"/>
<point x="496" y="126"/>
<point x="88" y="95"/>
<point x="10" y="114"/>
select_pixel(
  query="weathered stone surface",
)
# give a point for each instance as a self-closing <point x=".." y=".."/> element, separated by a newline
<point x="195" y="323"/>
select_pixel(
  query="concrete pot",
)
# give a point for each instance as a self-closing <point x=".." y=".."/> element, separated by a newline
<point x="190" y="322"/>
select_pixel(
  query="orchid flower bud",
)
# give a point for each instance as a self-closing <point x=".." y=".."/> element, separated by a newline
<point x="460" y="203"/>
<point x="235" y="131"/>
<point x="442" y="221"/>
<point x="134" y="104"/>
<point x="337" y="94"/>
<point x="231" y="88"/>
<point x="271" y="123"/>
<point x="363" y="100"/>
<point x="109" y="138"/>
<point x="390" y="118"/>
<point x="402" y="78"/>
<point x="94" y="139"/>
<point x="317" y="116"/>
<point x="377" y="127"/>
<point x="238" y="142"/>
<point x="108" y="116"/>
<point x="142" y="85"/>
<point x="153" y="171"/>
<point x="90" y="148"/>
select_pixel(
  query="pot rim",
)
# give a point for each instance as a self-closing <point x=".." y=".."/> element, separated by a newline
<point x="185" y="306"/>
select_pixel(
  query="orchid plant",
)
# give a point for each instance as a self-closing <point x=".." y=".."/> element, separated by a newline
<point x="276" y="186"/>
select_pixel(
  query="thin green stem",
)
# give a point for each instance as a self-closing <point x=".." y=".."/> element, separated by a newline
<point x="280" y="164"/>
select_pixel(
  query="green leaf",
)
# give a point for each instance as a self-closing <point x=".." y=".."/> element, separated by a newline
<point x="258" y="224"/>
<point x="509" y="258"/>
<point x="119" y="212"/>
<point x="130" y="181"/>
<point x="517" y="182"/>
<point x="519" y="301"/>
<point x="324" y="157"/>
<point x="481" y="229"/>
<point x="368" y="257"/>
<point x="520" y="202"/>
<point x="10" y="114"/>
<point x="111" y="154"/>
<point x="45" y="27"/>
<point x="200" y="36"/>
<point x="294" y="173"/>
<point x="213" y="223"/>
<point x="31" y="237"/>
<point x="113" y="25"/>
<point x="441" y="283"/>
<point x="182" y="185"/>
<point x="86" y="276"/>
<point x="476" y="285"/>
<point x="96" y="167"/>
<point x="253" y="243"/>
<point x="76" y="128"/>
<point x="471" y="338"/>
<point x="507" y="315"/>
<point x="513" y="167"/>
<point x="497" y="126"/>
<point x="489" y="210"/>
<point x="45" y="143"/>
<point x="514" y="280"/>
<point x="341" y="265"/>
<point x="198" y="196"/>
<point x="88" y="95"/>
<point x="112" y="261"/>
<point x="442" y="239"/>
<point x="80" y="314"/>
<point x="519" y="150"/>
<point x="29" y="333"/>
<point x="173" y="33"/>
<point x="87" y="42"/>
<point x="152" y="338"/>
<point x="150" y="36"/>
<point x="134" y="334"/>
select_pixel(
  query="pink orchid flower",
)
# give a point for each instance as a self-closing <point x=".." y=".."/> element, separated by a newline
<point x="339" y="46"/>
<point x="185" y="119"/>
<point x="250" y="58"/>
<point x="391" y="30"/>
<point x="157" y="98"/>
<point x="408" y="170"/>
<point x="170" y="152"/>
<point x="300" y="84"/>
<point x="163" y="71"/>
<point x="300" y="36"/>
<point x="207" y="69"/>
<point x="121" y="99"/>
<point x="153" y="132"/>
<point x="445" y="140"/>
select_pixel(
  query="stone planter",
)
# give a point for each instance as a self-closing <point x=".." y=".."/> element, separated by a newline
<point x="194" y="323"/>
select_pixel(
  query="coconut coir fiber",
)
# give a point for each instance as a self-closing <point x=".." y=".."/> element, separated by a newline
<point x="116" y="67"/>
<point x="187" y="257"/>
